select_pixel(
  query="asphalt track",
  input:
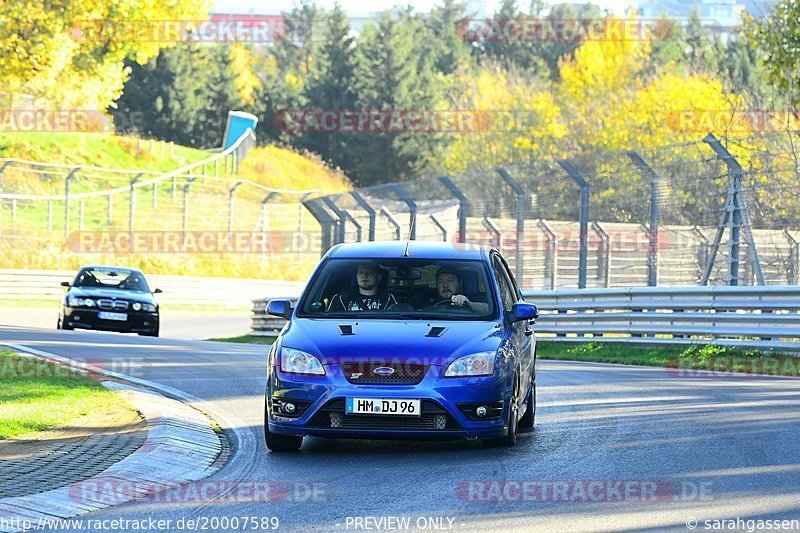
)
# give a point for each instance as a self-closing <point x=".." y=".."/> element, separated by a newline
<point x="713" y="447"/>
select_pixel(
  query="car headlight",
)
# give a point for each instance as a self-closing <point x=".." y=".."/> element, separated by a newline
<point x="80" y="302"/>
<point x="136" y="306"/>
<point x="477" y="364"/>
<point x="149" y="308"/>
<point x="297" y="362"/>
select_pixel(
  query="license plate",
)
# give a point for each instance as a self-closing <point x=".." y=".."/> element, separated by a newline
<point x="105" y="315"/>
<point x="382" y="406"/>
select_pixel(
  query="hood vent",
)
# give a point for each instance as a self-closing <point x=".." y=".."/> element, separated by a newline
<point x="346" y="329"/>
<point x="436" y="331"/>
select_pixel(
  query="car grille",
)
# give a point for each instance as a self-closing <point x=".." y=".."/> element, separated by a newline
<point x="363" y="373"/>
<point x="433" y="418"/>
<point x="116" y="305"/>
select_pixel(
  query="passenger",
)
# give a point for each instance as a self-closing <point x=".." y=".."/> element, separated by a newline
<point x="368" y="296"/>
<point x="449" y="288"/>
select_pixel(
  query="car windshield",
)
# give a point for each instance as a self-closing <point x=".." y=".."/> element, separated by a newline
<point x="111" y="278"/>
<point x="400" y="288"/>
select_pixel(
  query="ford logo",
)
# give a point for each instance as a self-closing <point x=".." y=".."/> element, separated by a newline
<point x="384" y="371"/>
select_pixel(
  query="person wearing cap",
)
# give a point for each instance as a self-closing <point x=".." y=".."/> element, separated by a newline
<point x="368" y="296"/>
<point x="449" y="287"/>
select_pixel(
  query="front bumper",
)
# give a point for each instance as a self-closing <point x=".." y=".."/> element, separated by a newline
<point x="86" y="318"/>
<point x="447" y="406"/>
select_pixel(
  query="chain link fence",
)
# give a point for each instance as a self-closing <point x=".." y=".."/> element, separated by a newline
<point x="704" y="212"/>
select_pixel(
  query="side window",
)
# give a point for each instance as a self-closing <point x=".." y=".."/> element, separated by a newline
<point x="506" y="289"/>
<point x="513" y="283"/>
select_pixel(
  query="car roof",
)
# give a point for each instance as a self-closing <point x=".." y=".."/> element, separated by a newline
<point x="416" y="249"/>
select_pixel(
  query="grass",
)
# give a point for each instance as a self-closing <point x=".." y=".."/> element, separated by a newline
<point x="247" y="339"/>
<point x="36" y="395"/>
<point x="708" y="357"/>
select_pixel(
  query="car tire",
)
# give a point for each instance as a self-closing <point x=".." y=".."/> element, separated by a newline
<point x="63" y="326"/>
<point x="153" y="333"/>
<point x="529" y="418"/>
<point x="280" y="443"/>
<point x="513" y="421"/>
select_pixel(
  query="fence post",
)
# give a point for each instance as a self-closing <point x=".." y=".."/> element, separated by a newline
<point x="652" y="230"/>
<point x="604" y="261"/>
<point x="186" y="207"/>
<point x="325" y="220"/>
<point x="737" y="216"/>
<point x="551" y="260"/>
<point x="131" y="213"/>
<point x="463" y="206"/>
<point x="264" y="203"/>
<point x="792" y="277"/>
<point x="354" y="222"/>
<point x="340" y="215"/>
<point x="370" y="212"/>
<point x="155" y="193"/>
<point x="489" y="224"/>
<point x="2" y="169"/>
<point x="703" y="255"/>
<point x="67" y="182"/>
<point x="393" y="221"/>
<point x="584" y="219"/>
<point x="231" y="192"/>
<point x="174" y="185"/>
<point x="412" y="210"/>
<point x="80" y="215"/>
<point x="522" y="214"/>
<point x="439" y="226"/>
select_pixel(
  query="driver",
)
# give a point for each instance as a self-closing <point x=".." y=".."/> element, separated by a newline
<point x="368" y="296"/>
<point x="449" y="288"/>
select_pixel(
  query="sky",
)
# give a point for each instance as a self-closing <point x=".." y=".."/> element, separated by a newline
<point x="363" y="6"/>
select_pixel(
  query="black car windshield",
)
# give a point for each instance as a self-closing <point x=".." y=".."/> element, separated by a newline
<point x="400" y="288"/>
<point x="111" y="278"/>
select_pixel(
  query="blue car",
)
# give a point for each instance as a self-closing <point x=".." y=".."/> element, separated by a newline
<point x="403" y="340"/>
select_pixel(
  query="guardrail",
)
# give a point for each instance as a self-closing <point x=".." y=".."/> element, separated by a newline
<point x="753" y="317"/>
<point x="44" y="285"/>
<point x="749" y="317"/>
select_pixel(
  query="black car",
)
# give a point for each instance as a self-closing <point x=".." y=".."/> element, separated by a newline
<point x="110" y="299"/>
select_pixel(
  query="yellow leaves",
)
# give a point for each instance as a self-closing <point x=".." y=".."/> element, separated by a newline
<point x="246" y="82"/>
<point x="74" y="55"/>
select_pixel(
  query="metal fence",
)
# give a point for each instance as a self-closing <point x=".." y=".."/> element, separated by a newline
<point x="42" y="205"/>
<point x="701" y="213"/>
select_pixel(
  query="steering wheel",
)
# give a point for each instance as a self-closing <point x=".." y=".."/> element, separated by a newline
<point x="451" y="306"/>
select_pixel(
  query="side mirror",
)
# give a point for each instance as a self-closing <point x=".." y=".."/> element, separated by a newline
<point x="524" y="311"/>
<point x="66" y="284"/>
<point x="157" y="291"/>
<point x="281" y="308"/>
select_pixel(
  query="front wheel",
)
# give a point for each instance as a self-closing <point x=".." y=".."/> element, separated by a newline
<point x="529" y="417"/>
<point x="513" y="421"/>
<point x="63" y="325"/>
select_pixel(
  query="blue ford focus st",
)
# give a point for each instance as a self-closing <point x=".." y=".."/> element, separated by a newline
<point x="392" y="340"/>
